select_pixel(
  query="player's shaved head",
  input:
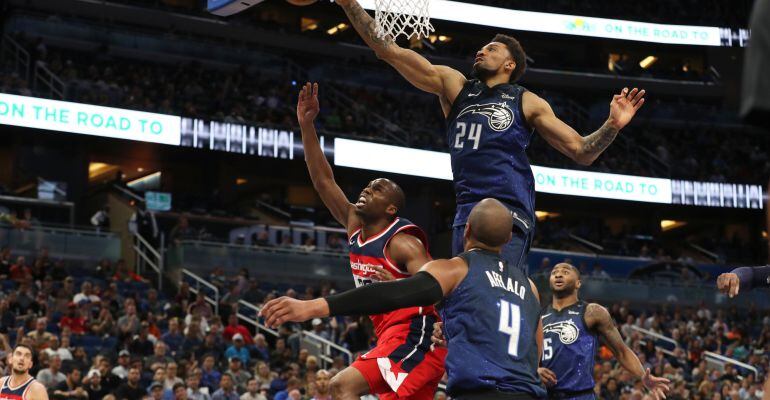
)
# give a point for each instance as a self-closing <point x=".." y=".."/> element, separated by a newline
<point x="395" y="194"/>
<point x="490" y="223"/>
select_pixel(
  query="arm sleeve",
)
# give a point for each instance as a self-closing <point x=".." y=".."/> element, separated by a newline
<point x="422" y="289"/>
<point x="753" y="277"/>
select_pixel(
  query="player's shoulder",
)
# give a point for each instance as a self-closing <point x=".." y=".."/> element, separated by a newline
<point x="595" y="313"/>
<point x="37" y="391"/>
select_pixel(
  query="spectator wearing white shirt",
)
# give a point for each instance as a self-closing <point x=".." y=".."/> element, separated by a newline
<point x="86" y="295"/>
<point x="55" y="350"/>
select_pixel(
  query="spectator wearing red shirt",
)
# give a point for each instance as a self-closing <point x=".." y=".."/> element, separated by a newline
<point x="234" y="327"/>
<point x="19" y="271"/>
<point x="73" y="320"/>
<point x="122" y="274"/>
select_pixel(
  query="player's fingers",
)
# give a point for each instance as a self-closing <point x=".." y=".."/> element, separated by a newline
<point x="632" y="93"/>
<point x="639" y="104"/>
<point x="638" y="97"/>
<point x="279" y="317"/>
<point x="267" y="307"/>
<point x="315" y="89"/>
<point x="735" y="285"/>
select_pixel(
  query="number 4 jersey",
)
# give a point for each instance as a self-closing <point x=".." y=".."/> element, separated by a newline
<point x="490" y="324"/>
<point x="488" y="138"/>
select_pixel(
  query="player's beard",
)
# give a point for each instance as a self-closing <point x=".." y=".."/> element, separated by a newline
<point x="19" y="371"/>
<point x="482" y="73"/>
<point x="566" y="291"/>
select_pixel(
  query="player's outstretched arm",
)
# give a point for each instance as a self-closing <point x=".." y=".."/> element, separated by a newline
<point x="435" y="280"/>
<point x="320" y="171"/>
<point x="744" y="278"/>
<point x="598" y="319"/>
<point x="582" y="149"/>
<point x="437" y="79"/>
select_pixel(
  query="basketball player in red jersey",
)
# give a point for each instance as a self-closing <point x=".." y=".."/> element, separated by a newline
<point x="382" y="246"/>
<point x="20" y="385"/>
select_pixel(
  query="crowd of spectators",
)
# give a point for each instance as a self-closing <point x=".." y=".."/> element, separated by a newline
<point x="101" y="332"/>
<point x="699" y="151"/>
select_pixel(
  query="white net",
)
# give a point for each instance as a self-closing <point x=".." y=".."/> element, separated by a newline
<point x="402" y="17"/>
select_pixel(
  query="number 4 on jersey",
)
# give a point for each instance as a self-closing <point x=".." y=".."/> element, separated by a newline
<point x="510" y="324"/>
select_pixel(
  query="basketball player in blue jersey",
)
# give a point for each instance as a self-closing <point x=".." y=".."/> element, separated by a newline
<point x="490" y="311"/>
<point x="20" y="385"/>
<point x="571" y="333"/>
<point x="490" y="120"/>
<point x="382" y="246"/>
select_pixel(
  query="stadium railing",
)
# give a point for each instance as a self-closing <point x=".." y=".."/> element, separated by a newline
<point x="148" y="256"/>
<point x="658" y="337"/>
<point x="721" y="361"/>
<point x="19" y="57"/>
<point x="72" y="244"/>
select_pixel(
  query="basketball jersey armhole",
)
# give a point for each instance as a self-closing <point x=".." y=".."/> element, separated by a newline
<point x="463" y="93"/>
<point x="404" y="229"/>
<point x="524" y="121"/>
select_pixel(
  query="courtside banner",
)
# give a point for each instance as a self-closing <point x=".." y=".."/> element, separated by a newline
<point x="601" y="185"/>
<point x="574" y="25"/>
<point x="434" y="164"/>
<point x="85" y="119"/>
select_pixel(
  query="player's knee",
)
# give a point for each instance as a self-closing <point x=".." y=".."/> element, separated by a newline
<point x="339" y="387"/>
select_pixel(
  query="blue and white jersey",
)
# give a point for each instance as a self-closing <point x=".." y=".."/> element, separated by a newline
<point x="490" y="324"/>
<point x="569" y="348"/>
<point x="488" y="138"/>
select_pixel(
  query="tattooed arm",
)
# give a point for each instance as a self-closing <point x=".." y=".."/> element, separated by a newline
<point x="437" y="79"/>
<point x="599" y="320"/>
<point x="582" y="149"/>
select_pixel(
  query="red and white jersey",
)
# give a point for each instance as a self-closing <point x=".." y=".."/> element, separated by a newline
<point x="373" y="251"/>
<point x="17" y="393"/>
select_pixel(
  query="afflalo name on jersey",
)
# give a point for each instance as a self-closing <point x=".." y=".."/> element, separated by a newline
<point x="490" y="324"/>
<point x="569" y="348"/>
<point x="488" y="138"/>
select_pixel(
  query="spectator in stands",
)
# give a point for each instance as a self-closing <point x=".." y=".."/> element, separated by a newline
<point x="253" y="294"/>
<point x="104" y="269"/>
<point x="201" y="308"/>
<point x="173" y="336"/>
<point x="95" y="388"/>
<point x="179" y="391"/>
<point x="322" y="385"/>
<point x="159" y="356"/>
<point x="172" y="378"/>
<point x="281" y="356"/>
<point x="54" y="350"/>
<point x="239" y="375"/>
<point x="308" y="245"/>
<point x="261" y="349"/>
<point x="194" y="389"/>
<point x="71" y="388"/>
<point x="104" y="323"/>
<point x="209" y="376"/>
<point x="182" y="231"/>
<point x="130" y="389"/>
<point x="151" y="304"/>
<point x="252" y="391"/>
<point x="226" y="389"/>
<point x="335" y="243"/>
<point x="263" y="375"/>
<point x="142" y="344"/>
<point x="20" y="271"/>
<point x="129" y="323"/>
<point x="291" y="385"/>
<point x="73" y="320"/>
<point x="319" y="328"/>
<point x="40" y="336"/>
<point x="234" y="327"/>
<point x="123" y="274"/>
<point x="156" y="389"/>
<point x="5" y="262"/>
<point x="86" y="295"/>
<point x="52" y="376"/>
<point x="238" y="349"/>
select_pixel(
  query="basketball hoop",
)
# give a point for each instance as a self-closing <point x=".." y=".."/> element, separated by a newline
<point x="402" y="17"/>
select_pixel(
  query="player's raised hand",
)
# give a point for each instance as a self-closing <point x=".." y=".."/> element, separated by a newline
<point x="657" y="386"/>
<point x="286" y="309"/>
<point x="438" y="334"/>
<point x="729" y="284"/>
<point x="547" y="377"/>
<point x="624" y="105"/>
<point x="307" y="104"/>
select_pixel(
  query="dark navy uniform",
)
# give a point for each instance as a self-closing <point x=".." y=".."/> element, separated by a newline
<point x="569" y="350"/>
<point x="488" y="138"/>
<point x="490" y="324"/>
